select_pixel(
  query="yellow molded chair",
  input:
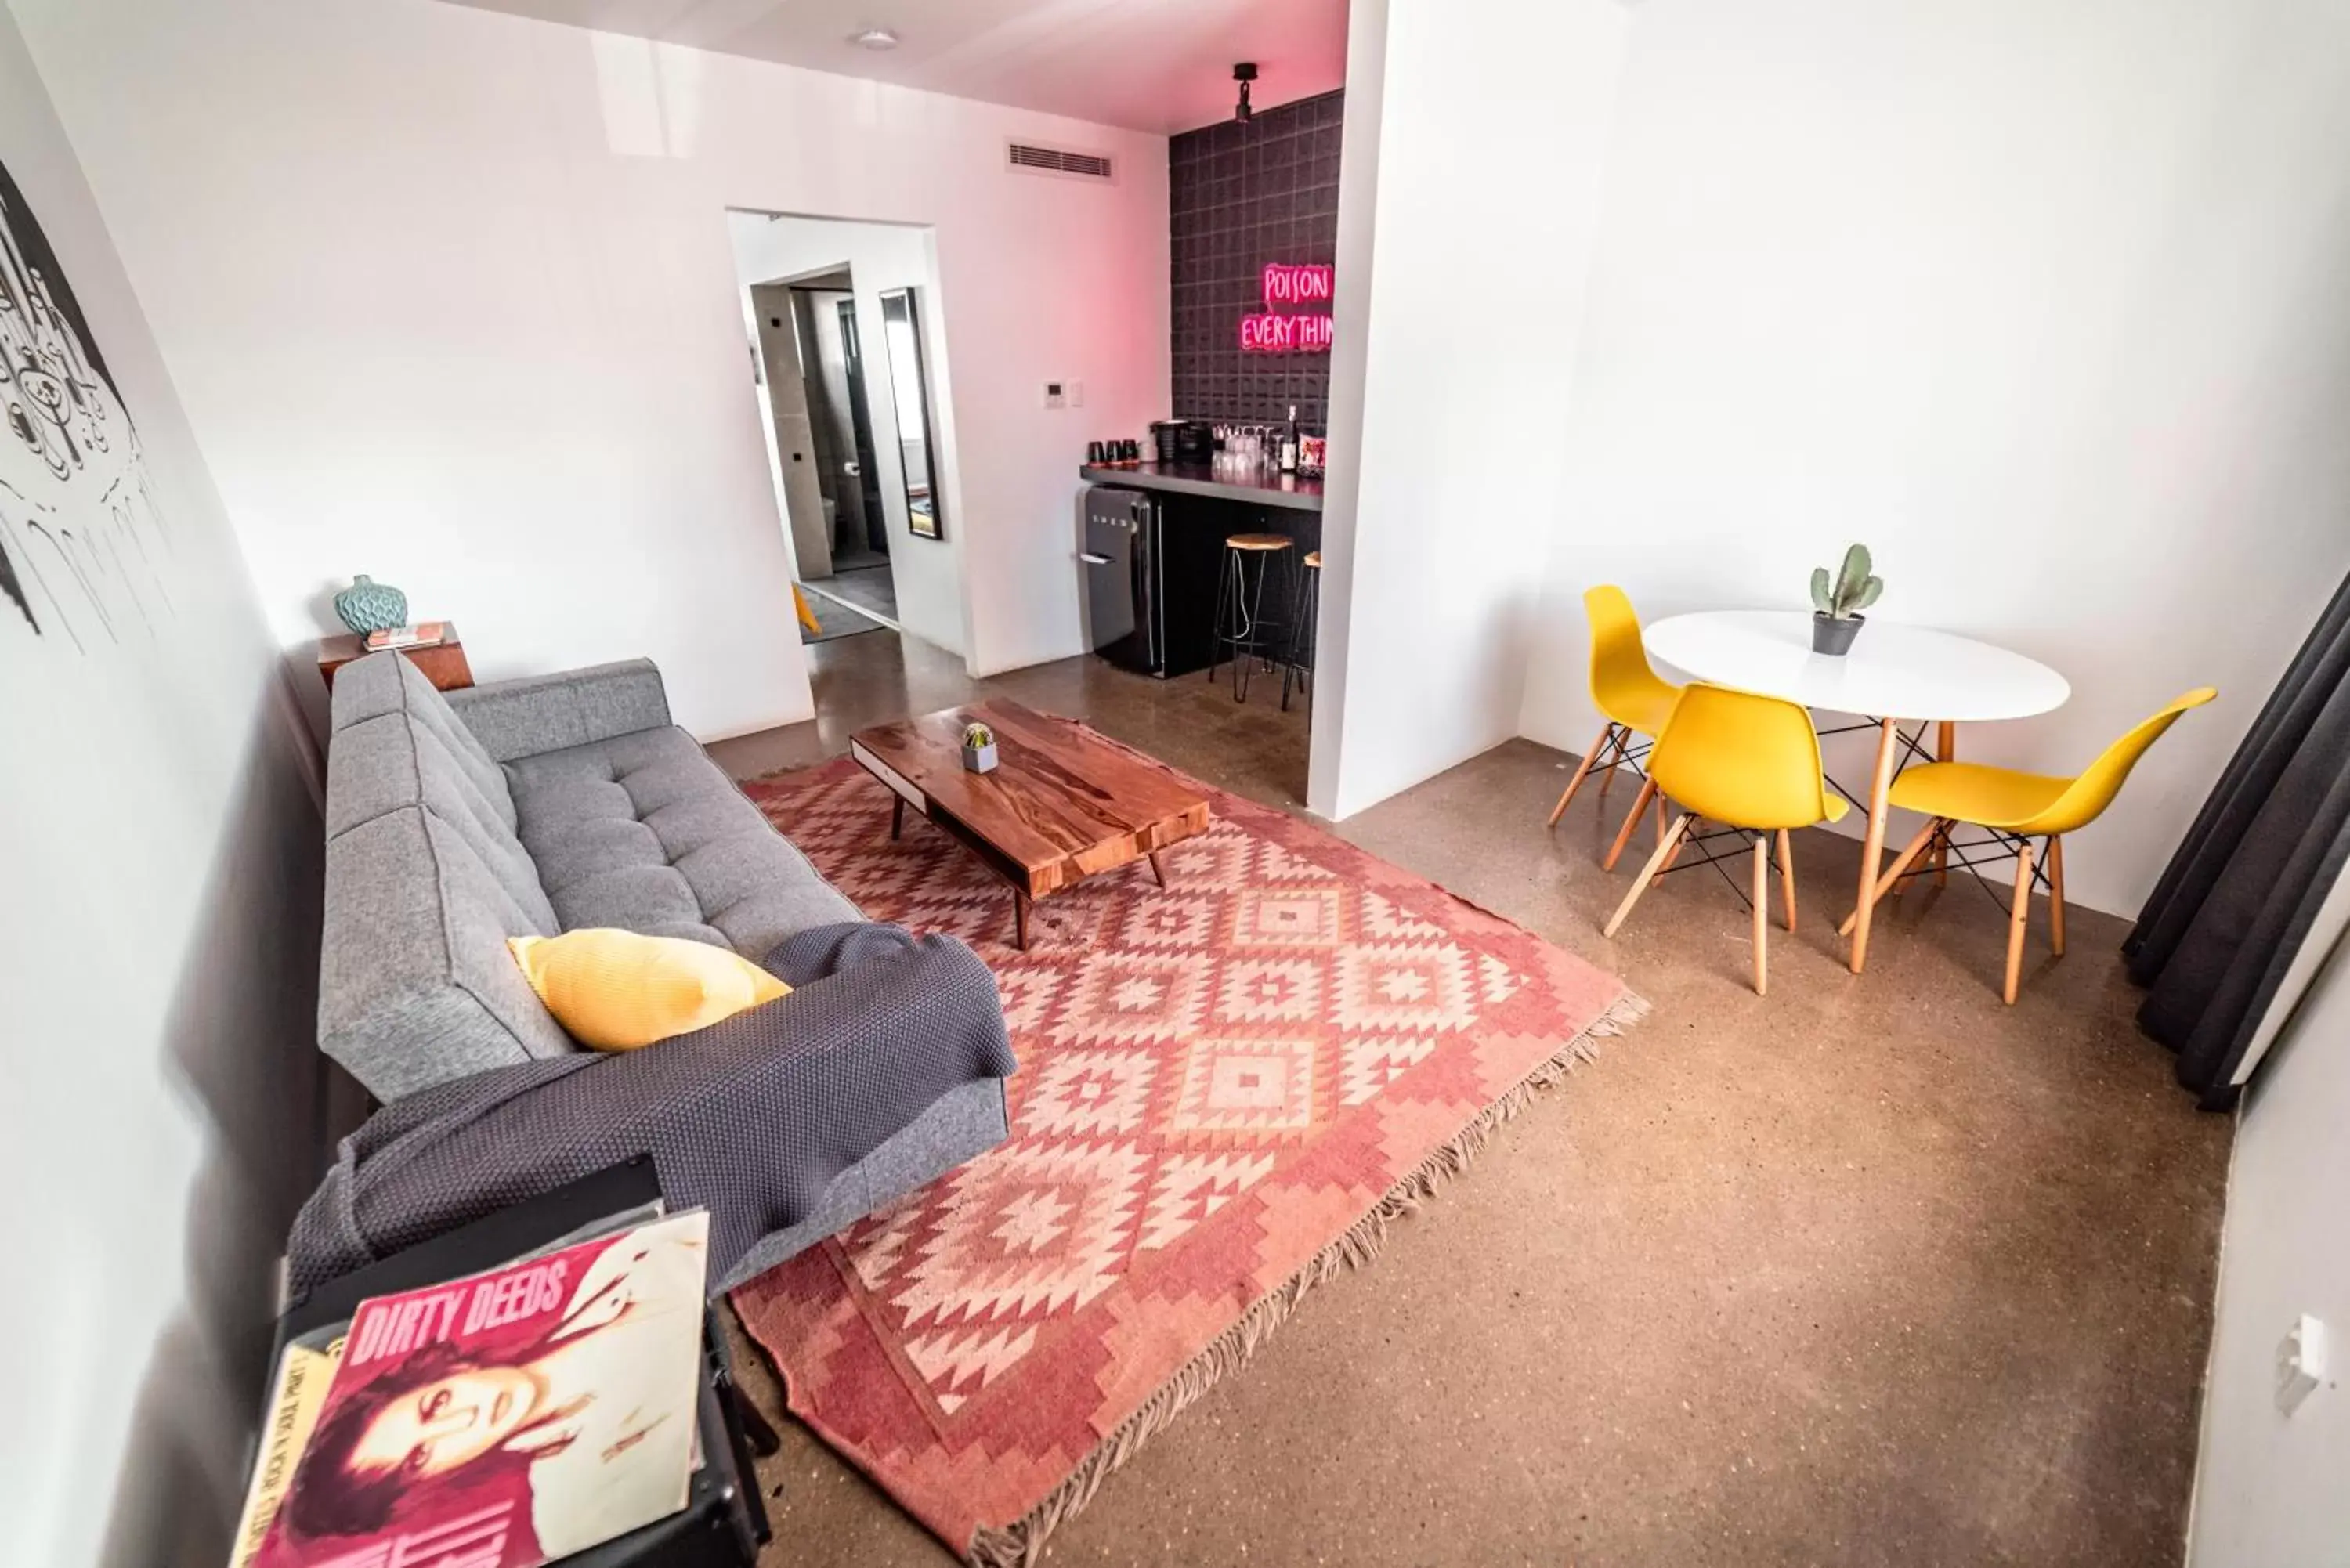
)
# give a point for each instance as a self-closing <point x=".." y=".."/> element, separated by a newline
<point x="1628" y="694"/>
<point x="1750" y="763"/>
<point x="2015" y="808"/>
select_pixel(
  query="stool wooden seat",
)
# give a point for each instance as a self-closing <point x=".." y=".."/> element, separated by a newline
<point x="1313" y="560"/>
<point x="1259" y="542"/>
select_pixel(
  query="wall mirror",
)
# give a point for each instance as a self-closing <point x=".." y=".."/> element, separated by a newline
<point x="910" y="393"/>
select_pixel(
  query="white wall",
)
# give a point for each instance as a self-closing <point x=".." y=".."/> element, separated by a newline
<point x="1489" y="163"/>
<point x="2269" y="1488"/>
<point x="159" y="864"/>
<point x="449" y="299"/>
<point x="2048" y="304"/>
<point x="926" y="573"/>
<point x="1350" y="310"/>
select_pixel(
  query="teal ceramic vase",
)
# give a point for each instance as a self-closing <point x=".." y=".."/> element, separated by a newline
<point x="368" y="606"/>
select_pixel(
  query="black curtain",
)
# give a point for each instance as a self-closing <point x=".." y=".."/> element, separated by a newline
<point x="2239" y="895"/>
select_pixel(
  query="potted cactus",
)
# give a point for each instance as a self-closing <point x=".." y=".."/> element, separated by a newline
<point x="979" y="748"/>
<point x="1836" y="606"/>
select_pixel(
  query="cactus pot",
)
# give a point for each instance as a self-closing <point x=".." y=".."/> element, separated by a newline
<point x="1830" y="635"/>
<point x="980" y="759"/>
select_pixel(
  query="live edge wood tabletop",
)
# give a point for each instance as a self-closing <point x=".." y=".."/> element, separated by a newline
<point x="444" y="662"/>
<point x="1060" y="804"/>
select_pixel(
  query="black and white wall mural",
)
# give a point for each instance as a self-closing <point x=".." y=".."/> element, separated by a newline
<point x="84" y="557"/>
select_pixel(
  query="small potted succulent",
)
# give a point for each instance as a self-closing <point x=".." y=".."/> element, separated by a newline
<point x="979" y="749"/>
<point x="1836" y="606"/>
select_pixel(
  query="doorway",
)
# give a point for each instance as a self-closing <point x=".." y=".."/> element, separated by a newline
<point x="859" y="431"/>
<point x="818" y="399"/>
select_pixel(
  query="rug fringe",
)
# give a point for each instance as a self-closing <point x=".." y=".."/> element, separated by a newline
<point x="1022" y="1543"/>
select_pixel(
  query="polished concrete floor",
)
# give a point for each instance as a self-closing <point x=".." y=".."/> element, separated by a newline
<point x="867" y="586"/>
<point x="1872" y="1270"/>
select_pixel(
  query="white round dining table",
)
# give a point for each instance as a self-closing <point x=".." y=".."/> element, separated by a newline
<point x="1893" y="674"/>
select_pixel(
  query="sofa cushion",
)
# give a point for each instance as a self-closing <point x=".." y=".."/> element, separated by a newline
<point x="645" y="833"/>
<point x="426" y="880"/>
<point x="392" y="762"/>
<point x="539" y="713"/>
<point x="415" y="983"/>
<point x="386" y="683"/>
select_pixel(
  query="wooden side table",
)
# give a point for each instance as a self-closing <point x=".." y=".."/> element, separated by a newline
<point x="444" y="662"/>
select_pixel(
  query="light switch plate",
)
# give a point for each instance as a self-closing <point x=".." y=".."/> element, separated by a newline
<point x="2301" y="1362"/>
<point x="1076" y="393"/>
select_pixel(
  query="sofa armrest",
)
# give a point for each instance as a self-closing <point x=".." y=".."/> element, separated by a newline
<point x="539" y="713"/>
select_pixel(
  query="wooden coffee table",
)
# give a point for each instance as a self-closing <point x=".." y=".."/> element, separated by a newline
<point x="1059" y="805"/>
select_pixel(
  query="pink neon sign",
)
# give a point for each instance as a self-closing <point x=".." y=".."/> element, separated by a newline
<point x="1268" y="333"/>
<point x="1287" y="285"/>
<point x="1274" y="329"/>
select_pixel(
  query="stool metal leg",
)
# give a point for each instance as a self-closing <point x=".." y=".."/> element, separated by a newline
<point x="1245" y="654"/>
<point x="1223" y="590"/>
<point x="1304" y="625"/>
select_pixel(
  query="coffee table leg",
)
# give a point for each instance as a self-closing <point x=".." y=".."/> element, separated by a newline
<point x="897" y="814"/>
<point x="1020" y="919"/>
<point x="1159" y="868"/>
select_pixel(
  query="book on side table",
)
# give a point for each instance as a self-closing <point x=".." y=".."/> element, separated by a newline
<point x="555" y="1405"/>
<point x="424" y="634"/>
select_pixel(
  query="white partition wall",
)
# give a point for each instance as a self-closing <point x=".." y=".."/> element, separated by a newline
<point x="1460" y="291"/>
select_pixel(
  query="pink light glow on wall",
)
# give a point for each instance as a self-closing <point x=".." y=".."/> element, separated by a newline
<point x="1275" y="331"/>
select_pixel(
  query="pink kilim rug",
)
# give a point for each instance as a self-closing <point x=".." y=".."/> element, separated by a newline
<point x="1226" y="1092"/>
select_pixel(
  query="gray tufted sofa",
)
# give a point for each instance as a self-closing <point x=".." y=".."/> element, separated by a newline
<point x="533" y="807"/>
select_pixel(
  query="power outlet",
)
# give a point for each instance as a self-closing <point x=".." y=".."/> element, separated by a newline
<point x="2301" y="1362"/>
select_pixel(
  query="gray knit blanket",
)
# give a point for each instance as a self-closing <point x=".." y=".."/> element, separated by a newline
<point x="752" y="1117"/>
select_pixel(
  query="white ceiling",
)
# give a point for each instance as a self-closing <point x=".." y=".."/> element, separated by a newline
<point x="1149" y="65"/>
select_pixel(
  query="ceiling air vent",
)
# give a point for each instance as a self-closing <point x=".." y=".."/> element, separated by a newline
<point x="1027" y="157"/>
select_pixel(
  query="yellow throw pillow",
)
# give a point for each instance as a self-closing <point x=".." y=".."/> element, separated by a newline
<point x="616" y="991"/>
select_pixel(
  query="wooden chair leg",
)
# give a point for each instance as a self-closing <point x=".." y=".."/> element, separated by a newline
<point x="2056" y="895"/>
<point x="1640" y="883"/>
<point x="1661" y="818"/>
<point x="2015" y="919"/>
<point x="1946" y="750"/>
<point x="1631" y="821"/>
<point x="1695" y="823"/>
<point x="1606" y="731"/>
<point x="1893" y="872"/>
<point x="1787" y="875"/>
<point x="1761" y="914"/>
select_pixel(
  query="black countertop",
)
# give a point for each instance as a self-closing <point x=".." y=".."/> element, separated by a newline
<point x="1289" y="490"/>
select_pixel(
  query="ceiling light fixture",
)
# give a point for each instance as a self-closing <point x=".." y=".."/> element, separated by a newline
<point x="875" y="39"/>
<point x="1243" y="73"/>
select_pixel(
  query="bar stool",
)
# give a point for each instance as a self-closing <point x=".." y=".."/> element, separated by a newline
<point x="1304" y="625"/>
<point x="1240" y="622"/>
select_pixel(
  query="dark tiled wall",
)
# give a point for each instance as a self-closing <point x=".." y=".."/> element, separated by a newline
<point x="1242" y="196"/>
